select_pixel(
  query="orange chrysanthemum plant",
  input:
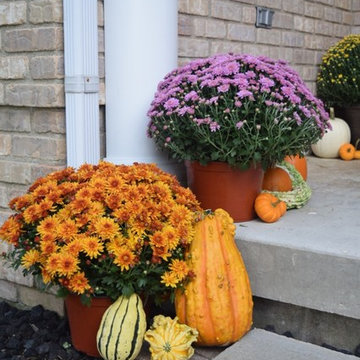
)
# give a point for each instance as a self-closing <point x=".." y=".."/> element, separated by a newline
<point x="104" y="230"/>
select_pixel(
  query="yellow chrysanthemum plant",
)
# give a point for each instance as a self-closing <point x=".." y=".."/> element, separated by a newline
<point x="338" y="81"/>
<point x="104" y="230"/>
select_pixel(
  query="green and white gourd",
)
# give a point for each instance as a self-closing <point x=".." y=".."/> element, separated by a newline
<point x="301" y="191"/>
<point x="122" y="328"/>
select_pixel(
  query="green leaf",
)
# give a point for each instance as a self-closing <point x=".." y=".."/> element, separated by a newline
<point x="127" y="290"/>
<point x="215" y="155"/>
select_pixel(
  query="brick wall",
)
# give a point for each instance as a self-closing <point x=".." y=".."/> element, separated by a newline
<point x="32" y="115"/>
<point x="302" y="29"/>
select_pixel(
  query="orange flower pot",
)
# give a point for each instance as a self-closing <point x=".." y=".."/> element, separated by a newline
<point x="84" y="322"/>
<point x="218" y="185"/>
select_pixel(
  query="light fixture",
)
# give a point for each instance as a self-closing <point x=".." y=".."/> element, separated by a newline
<point x="264" y="17"/>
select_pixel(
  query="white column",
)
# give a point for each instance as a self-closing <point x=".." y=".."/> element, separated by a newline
<point x="140" y="49"/>
<point x="81" y="82"/>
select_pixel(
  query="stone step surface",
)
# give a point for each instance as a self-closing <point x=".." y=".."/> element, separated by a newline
<point x="264" y="345"/>
<point x="311" y="256"/>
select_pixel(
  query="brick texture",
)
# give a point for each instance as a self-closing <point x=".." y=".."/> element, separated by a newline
<point x="49" y="11"/>
<point x="34" y="39"/>
<point x="13" y="67"/>
<point x="12" y="12"/>
<point x="302" y="29"/>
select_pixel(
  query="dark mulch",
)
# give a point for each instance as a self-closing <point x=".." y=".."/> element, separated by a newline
<point x="35" y="334"/>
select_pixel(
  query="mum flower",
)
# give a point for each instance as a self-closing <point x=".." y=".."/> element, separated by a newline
<point x="201" y="105"/>
<point x="107" y="230"/>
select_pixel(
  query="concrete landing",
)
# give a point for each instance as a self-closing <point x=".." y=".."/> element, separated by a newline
<point x="311" y="256"/>
<point x="264" y="345"/>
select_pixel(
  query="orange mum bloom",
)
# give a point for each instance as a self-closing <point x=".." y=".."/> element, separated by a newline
<point x="67" y="230"/>
<point x="113" y="201"/>
<point x="74" y="247"/>
<point x="123" y="215"/>
<point x="32" y="214"/>
<point x="10" y="230"/>
<point x="180" y="215"/>
<point x="169" y="279"/>
<point x="67" y="264"/>
<point x="161" y="252"/>
<point x="52" y="263"/>
<point x="48" y="247"/>
<point x="92" y="246"/>
<point x="158" y="239"/>
<point x="170" y="236"/>
<point x="106" y="228"/>
<point x="79" y="283"/>
<point x="46" y="277"/>
<point x="48" y="237"/>
<point x="124" y="258"/>
<point x="48" y="226"/>
<point x="30" y="258"/>
<point x="20" y="202"/>
<point x="84" y="193"/>
<point x="114" y="183"/>
<point x="80" y="204"/>
<point x="179" y="268"/>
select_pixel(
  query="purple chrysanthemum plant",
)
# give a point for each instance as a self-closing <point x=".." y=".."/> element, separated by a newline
<point x="238" y="109"/>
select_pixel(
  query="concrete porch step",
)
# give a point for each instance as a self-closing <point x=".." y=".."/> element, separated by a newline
<point x="311" y="256"/>
<point x="263" y="345"/>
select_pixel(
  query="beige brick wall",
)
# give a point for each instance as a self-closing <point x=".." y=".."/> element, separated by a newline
<point x="32" y="114"/>
<point x="302" y="29"/>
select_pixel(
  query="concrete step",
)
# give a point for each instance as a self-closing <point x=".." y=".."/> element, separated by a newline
<point x="311" y="256"/>
<point x="263" y="345"/>
<point x="308" y="262"/>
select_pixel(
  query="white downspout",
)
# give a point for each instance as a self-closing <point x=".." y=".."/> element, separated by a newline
<point x="140" y="48"/>
<point x="81" y="82"/>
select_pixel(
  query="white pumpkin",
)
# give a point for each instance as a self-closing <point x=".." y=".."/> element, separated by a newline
<point x="328" y="146"/>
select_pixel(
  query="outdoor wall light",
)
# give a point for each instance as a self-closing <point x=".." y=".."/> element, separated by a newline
<point x="264" y="17"/>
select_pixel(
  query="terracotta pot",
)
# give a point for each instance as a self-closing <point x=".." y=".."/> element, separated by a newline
<point x="218" y="185"/>
<point x="351" y="115"/>
<point x="84" y="322"/>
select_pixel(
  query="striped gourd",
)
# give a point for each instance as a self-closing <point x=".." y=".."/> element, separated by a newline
<point x="122" y="328"/>
<point x="301" y="191"/>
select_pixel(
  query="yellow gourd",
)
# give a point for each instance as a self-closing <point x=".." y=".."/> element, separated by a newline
<point x="170" y="340"/>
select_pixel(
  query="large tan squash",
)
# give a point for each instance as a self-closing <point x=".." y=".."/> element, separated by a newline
<point x="218" y="301"/>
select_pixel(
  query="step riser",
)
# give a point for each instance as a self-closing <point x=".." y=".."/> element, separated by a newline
<point x="307" y="325"/>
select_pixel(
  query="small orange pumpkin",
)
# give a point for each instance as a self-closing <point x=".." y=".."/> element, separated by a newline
<point x="357" y="152"/>
<point x="276" y="179"/>
<point x="269" y="208"/>
<point x="347" y="151"/>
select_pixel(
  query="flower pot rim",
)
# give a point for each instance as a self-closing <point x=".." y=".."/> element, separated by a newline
<point x="219" y="166"/>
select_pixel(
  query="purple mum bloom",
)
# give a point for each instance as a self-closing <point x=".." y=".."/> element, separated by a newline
<point x="171" y="104"/>
<point x="212" y="100"/>
<point x="244" y="93"/>
<point x="266" y="82"/>
<point x="239" y="124"/>
<point x="297" y="118"/>
<point x="192" y="95"/>
<point x="232" y="68"/>
<point x="287" y="90"/>
<point x="250" y="74"/>
<point x="223" y="88"/>
<point x="214" y="126"/>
